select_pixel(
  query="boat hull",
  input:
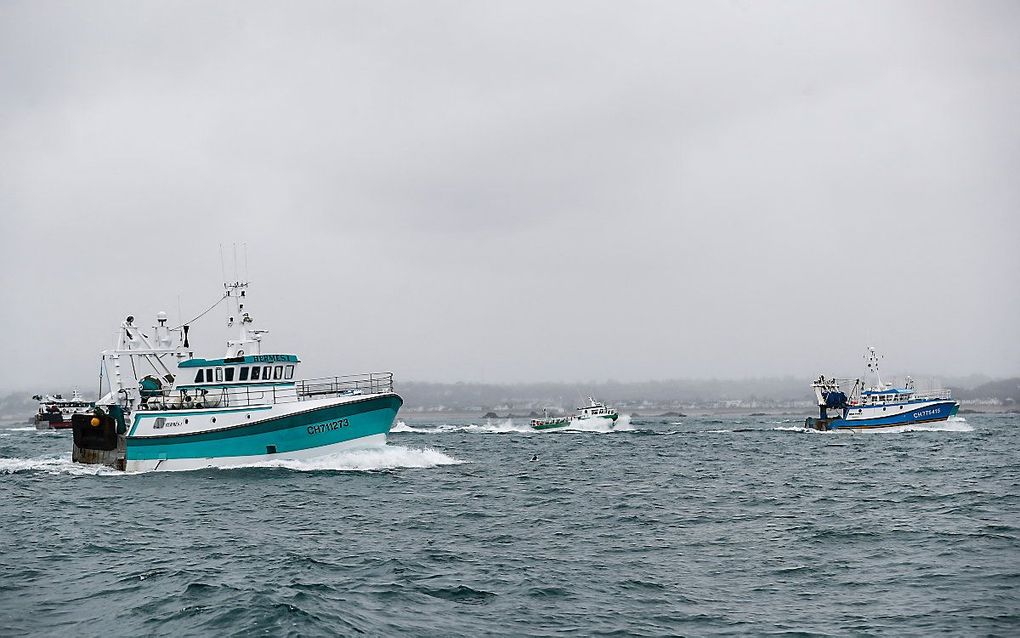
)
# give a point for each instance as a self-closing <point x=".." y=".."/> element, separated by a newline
<point x="51" y="424"/>
<point x="316" y="430"/>
<point x="930" y="412"/>
<point x="564" y="423"/>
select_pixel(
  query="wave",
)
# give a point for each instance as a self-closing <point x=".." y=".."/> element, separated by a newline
<point x="490" y="427"/>
<point x="30" y="428"/>
<point x="385" y="457"/>
<point x="953" y="424"/>
<point x="595" y="426"/>
<point x="508" y="426"/>
<point x="55" y="465"/>
<point x="623" y="424"/>
<point x="402" y="427"/>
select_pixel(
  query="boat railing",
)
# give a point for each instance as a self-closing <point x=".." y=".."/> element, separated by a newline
<point x="192" y="398"/>
<point x="938" y="394"/>
<point x="371" y="383"/>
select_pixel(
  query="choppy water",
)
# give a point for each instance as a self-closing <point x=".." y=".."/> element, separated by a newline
<point x="701" y="526"/>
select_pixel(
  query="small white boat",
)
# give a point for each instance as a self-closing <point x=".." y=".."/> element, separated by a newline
<point x="594" y="410"/>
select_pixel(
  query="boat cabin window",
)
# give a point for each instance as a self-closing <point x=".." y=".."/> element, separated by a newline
<point x="229" y="374"/>
<point x="244" y="374"/>
<point x="219" y="374"/>
<point x="200" y="377"/>
<point x="278" y="372"/>
<point x="255" y="373"/>
<point x="266" y="373"/>
<point x="288" y="372"/>
<point x="208" y="375"/>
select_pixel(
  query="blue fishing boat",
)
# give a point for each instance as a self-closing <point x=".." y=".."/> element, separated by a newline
<point x="169" y="410"/>
<point x="869" y="403"/>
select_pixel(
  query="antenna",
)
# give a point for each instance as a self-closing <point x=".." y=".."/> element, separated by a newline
<point x="235" y="262"/>
<point x="223" y="271"/>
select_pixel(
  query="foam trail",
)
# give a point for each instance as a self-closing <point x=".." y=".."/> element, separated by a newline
<point x="953" y="424"/>
<point x="499" y="427"/>
<point x="623" y="424"/>
<point x="55" y="465"/>
<point x="30" y="428"/>
<point x="797" y="428"/>
<point x="386" y="457"/>
<point x="508" y="426"/>
<point x="403" y="427"/>
<point x="489" y="427"/>
<point x="596" y="426"/>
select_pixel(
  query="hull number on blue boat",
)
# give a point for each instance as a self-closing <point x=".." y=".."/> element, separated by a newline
<point x="924" y="413"/>
<point x="328" y="427"/>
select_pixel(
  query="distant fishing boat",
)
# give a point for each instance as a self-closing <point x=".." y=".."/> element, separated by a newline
<point x="55" y="411"/>
<point x="245" y="407"/>
<point x="594" y="410"/>
<point x="862" y="405"/>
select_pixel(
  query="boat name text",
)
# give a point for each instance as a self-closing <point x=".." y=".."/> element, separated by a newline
<point x="270" y="358"/>
<point x="328" y="427"/>
<point x="162" y="422"/>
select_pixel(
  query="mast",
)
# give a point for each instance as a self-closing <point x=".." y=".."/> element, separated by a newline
<point x="249" y="339"/>
<point x="872" y="358"/>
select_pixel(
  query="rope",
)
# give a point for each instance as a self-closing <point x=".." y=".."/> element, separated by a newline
<point x="207" y="311"/>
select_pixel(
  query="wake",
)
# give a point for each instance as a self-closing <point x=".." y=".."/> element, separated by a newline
<point x="953" y="424"/>
<point x="55" y="465"/>
<point x="508" y="426"/>
<point x="385" y="457"/>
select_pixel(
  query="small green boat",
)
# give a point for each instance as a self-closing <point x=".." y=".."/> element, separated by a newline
<point x="594" y="410"/>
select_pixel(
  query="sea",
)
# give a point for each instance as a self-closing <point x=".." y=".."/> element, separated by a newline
<point x="691" y="526"/>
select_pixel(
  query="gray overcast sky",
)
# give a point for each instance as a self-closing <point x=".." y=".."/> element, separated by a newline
<point x="511" y="191"/>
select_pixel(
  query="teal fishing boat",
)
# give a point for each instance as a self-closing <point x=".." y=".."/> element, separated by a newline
<point x="169" y="410"/>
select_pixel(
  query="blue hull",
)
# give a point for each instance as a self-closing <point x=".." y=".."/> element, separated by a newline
<point x="298" y="432"/>
<point x="927" y="414"/>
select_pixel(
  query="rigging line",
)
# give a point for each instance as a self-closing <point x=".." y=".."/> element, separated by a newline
<point x="204" y="313"/>
<point x="152" y="365"/>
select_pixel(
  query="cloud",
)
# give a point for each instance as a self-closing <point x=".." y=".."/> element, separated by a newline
<point x="517" y="191"/>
